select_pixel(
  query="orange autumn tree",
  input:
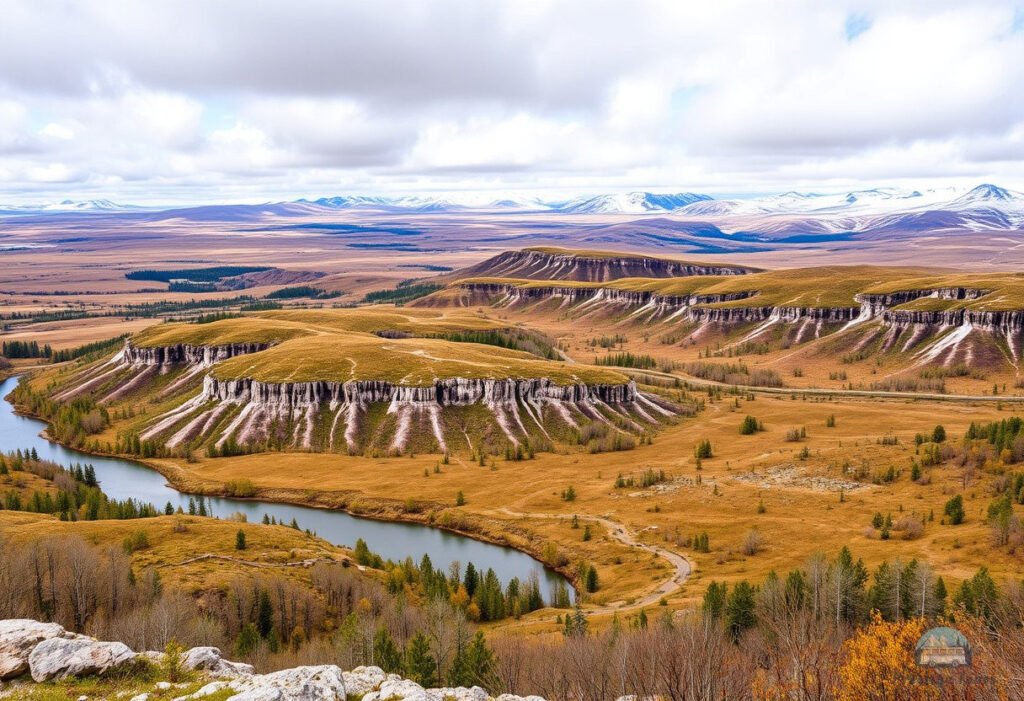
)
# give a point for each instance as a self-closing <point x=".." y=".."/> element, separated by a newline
<point x="879" y="665"/>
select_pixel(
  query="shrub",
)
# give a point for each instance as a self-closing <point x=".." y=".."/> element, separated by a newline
<point x="703" y="450"/>
<point x="135" y="542"/>
<point x="752" y="542"/>
<point x="569" y="493"/>
<point x="954" y="510"/>
<point x="749" y="426"/>
<point x="240" y="488"/>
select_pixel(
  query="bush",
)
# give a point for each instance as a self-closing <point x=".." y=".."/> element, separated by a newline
<point x="240" y="488"/>
<point x="135" y="542"/>
<point x="749" y="426"/>
<point x="752" y="542"/>
<point x="703" y="450"/>
<point x="954" y="510"/>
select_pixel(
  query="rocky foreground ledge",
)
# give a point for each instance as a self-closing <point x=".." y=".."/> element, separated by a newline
<point x="32" y="652"/>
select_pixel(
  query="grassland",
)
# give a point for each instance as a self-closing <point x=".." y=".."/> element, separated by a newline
<point x="339" y="345"/>
<point x="192" y="553"/>
<point x="416" y="362"/>
<point x="824" y="287"/>
<point x="816" y="503"/>
<point x="611" y="255"/>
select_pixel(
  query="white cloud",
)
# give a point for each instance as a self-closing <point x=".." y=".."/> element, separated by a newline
<point x="146" y="101"/>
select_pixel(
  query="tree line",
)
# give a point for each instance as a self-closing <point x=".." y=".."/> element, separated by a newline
<point x="74" y="492"/>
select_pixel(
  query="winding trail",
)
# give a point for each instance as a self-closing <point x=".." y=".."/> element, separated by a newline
<point x="680" y="564"/>
<point x="823" y="392"/>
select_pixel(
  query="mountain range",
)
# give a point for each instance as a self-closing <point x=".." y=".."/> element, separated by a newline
<point x="985" y="207"/>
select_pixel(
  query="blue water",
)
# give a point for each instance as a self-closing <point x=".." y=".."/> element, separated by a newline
<point x="123" y="479"/>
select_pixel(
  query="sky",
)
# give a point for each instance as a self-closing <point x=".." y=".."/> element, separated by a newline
<point x="218" y="100"/>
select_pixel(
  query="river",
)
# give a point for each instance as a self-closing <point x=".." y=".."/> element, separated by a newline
<point x="123" y="479"/>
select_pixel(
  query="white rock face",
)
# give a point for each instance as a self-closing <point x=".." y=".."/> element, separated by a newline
<point x="321" y="683"/>
<point x="209" y="659"/>
<point x="60" y="658"/>
<point x="362" y="680"/>
<point x="18" y="637"/>
<point x="399" y="689"/>
<point x="460" y="693"/>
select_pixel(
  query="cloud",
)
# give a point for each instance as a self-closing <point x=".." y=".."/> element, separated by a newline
<point x="194" y="99"/>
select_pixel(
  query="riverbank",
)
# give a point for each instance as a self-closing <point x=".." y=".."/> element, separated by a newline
<point x="422" y="513"/>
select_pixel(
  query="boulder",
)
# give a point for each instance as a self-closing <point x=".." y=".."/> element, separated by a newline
<point x="17" y="638"/>
<point x="60" y="658"/>
<point x="320" y="683"/>
<point x="208" y="659"/>
<point x="362" y="680"/>
<point x="400" y="689"/>
<point x="459" y="693"/>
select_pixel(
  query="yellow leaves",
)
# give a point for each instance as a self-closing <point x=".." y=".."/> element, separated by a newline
<point x="879" y="664"/>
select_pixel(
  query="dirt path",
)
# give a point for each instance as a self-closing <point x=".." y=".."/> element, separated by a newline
<point x="681" y="566"/>
<point x="812" y="391"/>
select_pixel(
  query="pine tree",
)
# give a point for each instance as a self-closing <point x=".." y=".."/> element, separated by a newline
<point x="386" y="654"/>
<point x="575" y="623"/>
<point x="739" y="609"/>
<point x="264" y="614"/>
<point x="591" y="580"/>
<point x="240" y="540"/>
<point x="714" y="600"/>
<point x="419" y="664"/>
<point x="247" y="640"/>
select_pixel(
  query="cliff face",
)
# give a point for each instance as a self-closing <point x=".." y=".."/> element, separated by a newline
<point x="356" y="415"/>
<point x="185" y="354"/>
<point x="1000" y="321"/>
<point x="448" y="392"/>
<point x="548" y="265"/>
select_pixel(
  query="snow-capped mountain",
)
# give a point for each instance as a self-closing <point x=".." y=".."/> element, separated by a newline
<point x="987" y="195"/>
<point x="69" y="206"/>
<point x="630" y="203"/>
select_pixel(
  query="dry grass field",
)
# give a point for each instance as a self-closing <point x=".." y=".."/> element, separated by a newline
<point x="802" y="485"/>
<point x="192" y="553"/>
<point x="810" y="505"/>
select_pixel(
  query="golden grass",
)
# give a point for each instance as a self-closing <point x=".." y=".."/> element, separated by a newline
<point x="174" y="541"/>
<point x="818" y="287"/>
<point x="415" y="362"/>
<point x="798" y="521"/>
<point x="338" y="345"/>
<point x="831" y="286"/>
<point x="590" y="254"/>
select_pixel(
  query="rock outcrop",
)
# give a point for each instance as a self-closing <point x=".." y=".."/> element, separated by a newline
<point x="318" y="683"/>
<point x="57" y="655"/>
<point x="209" y="659"/>
<point x="549" y="264"/>
<point x="61" y="658"/>
<point x="447" y="392"/>
<point x="186" y="354"/>
<point x="18" y="637"/>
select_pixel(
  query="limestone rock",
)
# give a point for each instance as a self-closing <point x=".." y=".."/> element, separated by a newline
<point x="209" y="659"/>
<point x="320" y="683"/>
<point x="362" y="680"/>
<point x="60" y="658"/>
<point x="17" y="638"/>
<point x="403" y="689"/>
<point x="459" y="693"/>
